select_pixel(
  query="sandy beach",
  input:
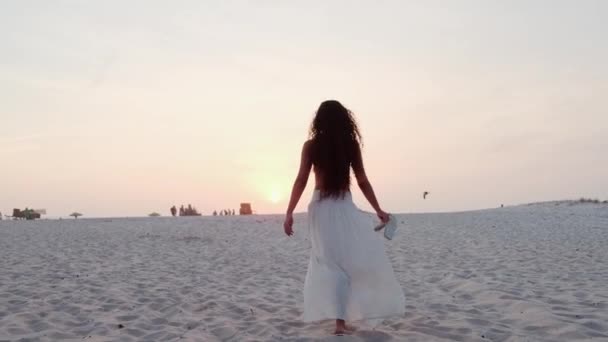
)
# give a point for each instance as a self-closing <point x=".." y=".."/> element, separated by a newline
<point x="526" y="273"/>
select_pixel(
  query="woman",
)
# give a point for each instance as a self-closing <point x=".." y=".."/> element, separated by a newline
<point x="349" y="276"/>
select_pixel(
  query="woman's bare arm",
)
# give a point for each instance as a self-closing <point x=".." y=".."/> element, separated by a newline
<point x="366" y="186"/>
<point x="298" y="186"/>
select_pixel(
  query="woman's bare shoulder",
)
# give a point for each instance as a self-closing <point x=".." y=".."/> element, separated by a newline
<point x="307" y="144"/>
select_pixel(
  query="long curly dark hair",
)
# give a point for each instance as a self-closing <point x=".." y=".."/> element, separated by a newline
<point x="335" y="145"/>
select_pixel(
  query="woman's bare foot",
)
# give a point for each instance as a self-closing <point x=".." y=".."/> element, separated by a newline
<point x="340" y="327"/>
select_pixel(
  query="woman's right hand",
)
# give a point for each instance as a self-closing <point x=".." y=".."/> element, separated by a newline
<point x="382" y="215"/>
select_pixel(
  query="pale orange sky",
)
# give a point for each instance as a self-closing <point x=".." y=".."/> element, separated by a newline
<point x="121" y="109"/>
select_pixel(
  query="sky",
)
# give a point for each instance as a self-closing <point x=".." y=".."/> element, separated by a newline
<point x="123" y="108"/>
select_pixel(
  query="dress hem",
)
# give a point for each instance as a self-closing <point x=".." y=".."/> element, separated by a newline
<point x="353" y="319"/>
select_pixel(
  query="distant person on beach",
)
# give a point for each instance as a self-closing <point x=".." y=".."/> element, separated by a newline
<point x="349" y="275"/>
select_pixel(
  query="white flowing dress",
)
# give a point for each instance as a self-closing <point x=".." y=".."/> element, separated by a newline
<point x="349" y="275"/>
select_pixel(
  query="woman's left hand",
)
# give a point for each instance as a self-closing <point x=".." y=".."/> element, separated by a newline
<point x="288" y="224"/>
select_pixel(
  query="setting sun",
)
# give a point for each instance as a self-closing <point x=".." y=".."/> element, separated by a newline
<point x="275" y="196"/>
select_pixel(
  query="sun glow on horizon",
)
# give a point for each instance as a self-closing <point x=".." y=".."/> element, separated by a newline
<point x="275" y="196"/>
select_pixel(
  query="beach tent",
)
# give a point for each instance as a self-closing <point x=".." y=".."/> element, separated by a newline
<point x="245" y="209"/>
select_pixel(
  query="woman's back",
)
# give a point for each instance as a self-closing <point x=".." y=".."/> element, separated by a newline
<point x="334" y="148"/>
